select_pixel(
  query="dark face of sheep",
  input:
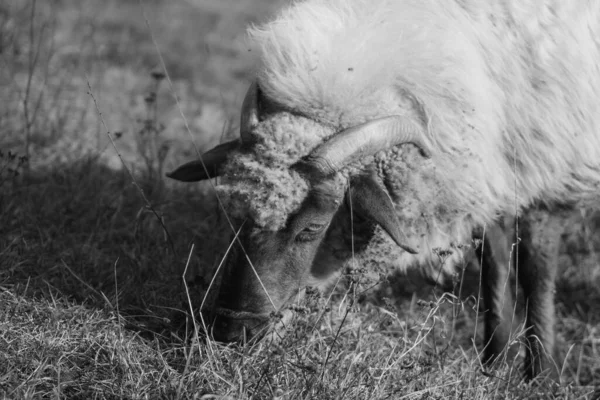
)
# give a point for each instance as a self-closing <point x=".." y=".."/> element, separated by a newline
<point x="269" y="269"/>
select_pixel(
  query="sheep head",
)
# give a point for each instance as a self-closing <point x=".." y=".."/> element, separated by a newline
<point x="298" y="218"/>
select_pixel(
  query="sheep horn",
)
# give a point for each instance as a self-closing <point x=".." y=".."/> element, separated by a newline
<point x="364" y="140"/>
<point x="249" y="116"/>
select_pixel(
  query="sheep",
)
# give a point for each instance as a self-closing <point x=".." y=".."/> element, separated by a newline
<point x="378" y="130"/>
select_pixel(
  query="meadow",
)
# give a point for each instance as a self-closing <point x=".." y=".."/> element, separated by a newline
<point x="104" y="262"/>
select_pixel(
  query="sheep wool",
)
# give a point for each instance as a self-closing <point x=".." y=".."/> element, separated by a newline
<point x="506" y="91"/>
<point x="258" y="183"/>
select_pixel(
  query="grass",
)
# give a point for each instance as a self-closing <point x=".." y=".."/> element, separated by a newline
<point x="94" y="283"/>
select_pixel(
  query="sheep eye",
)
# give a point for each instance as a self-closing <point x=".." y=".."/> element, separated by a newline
<point x="311" y="232"/>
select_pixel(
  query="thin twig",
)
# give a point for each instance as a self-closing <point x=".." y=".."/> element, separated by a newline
<point x="133" y="180"/>
<point x="101" y="295"/>
<point x="333" y="343"/>
<point x="117" y="298"/>
<point x="216" y="274"/>
<point x="196" y="332"/>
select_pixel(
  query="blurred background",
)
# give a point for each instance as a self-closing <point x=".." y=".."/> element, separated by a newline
<point x="56" y="54"/>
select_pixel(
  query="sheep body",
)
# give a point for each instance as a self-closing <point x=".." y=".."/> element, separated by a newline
<point x="508" y="91"/>
<point x="506" y="95"/>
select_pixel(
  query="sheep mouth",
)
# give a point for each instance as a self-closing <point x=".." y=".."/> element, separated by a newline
<point x="254" y="327"/>
<point x="242" y="315"/>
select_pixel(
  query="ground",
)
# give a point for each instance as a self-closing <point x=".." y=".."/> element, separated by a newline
<point x="103" y="262"/>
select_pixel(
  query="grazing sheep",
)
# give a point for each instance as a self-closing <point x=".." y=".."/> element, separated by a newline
<point x="379" y="130"/>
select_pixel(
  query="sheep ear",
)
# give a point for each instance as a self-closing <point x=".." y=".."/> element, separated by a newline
<point x="194" y="171"/>
<point x="370" y="201"/>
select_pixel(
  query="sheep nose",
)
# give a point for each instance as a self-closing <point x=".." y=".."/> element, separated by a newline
<point x="227" y="328"/>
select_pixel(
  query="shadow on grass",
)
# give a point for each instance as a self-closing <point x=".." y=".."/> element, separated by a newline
<point x="84" y="231"/>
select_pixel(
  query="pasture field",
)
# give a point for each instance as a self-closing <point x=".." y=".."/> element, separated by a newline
<point x="104" y="262"/>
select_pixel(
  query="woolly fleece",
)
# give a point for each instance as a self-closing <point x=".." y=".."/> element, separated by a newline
<point x="258" y="183"/>
<point x="507" y="93"/>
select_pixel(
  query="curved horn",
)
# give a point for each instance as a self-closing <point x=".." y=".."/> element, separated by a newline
<point x="364" y="140"/>
<point x="372" y="202"/>
<point x="208" y="166"/>
<point x="249" y="116"/>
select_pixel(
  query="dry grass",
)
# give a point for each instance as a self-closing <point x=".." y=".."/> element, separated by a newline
<point x="92" y="279"/>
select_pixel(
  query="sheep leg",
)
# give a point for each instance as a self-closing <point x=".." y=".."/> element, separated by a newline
<point x="536" y="271"/>
<point x="494" y="255"/>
